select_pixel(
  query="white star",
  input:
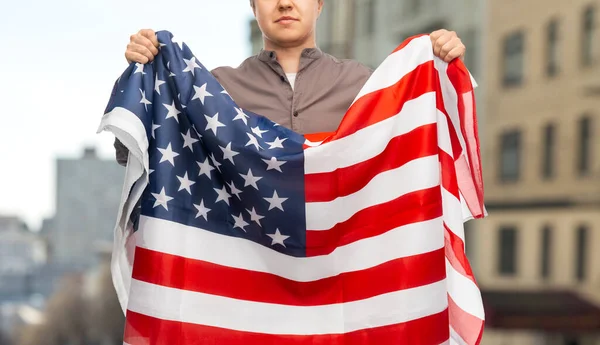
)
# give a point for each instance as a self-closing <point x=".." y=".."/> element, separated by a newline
<point x="255" y="217"/>
<point x="258" y="131"/>
<point x="253" y="141"/>
<point x="144" y="100"/>
<point x="177" y="40"/>
<point x="150" y="171"/>
<point x="213" y="123"/>
<point x="179" y="98"/>
<point x="169" y="68"/>
<point x="277" y="143"/>
<point x="278" y="238"/>
<point x="250" y="180"/>
<point x="154" y="127"/>
<point x="222" y="195"/>
<point x="273" y="163"/>
<point x="157" y="84"/>
<point x="140" y="68"/>
<point x="239" y="222"/>
<point x="228" y="153"/>
<point x="172" y="111"/>
<point x="161" y="199"/>
<point x="241" y="115"/>
<point x="234" y="190"/>
<point x="201" y="93"/>
<point x="188" y="141"/>
<point x="275" y="201"/>
<point x="225" y="92"/>
<point x="185" y="183"/>
<point x="202" y="210"/>
<point x="215" y="162"/>
<point x="168" y="155"/>
<point x="191" y="65"/>
<point x="205" y="168"/>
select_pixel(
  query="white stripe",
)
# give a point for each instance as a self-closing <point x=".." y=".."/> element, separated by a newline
<point x="415" y="175"/>
<point x="450" y="98"/>
<point x="464" y="292"/>
<point x="372" y="140"/>
<point x="455" y="338"/>
<point x="189" y="242"/>
<point x="398" y="64"/>
<point x="453" y="214"/>
<point x="217" y="311"/>
<point x="443" y="135"/>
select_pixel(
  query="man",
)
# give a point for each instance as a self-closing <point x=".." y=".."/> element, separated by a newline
<point x="290" y="81"/>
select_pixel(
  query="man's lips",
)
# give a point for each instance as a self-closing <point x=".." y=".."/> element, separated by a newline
<point x="286" y="20"/>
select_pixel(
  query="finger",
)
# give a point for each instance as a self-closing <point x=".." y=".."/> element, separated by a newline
<point x="436" y="34"/>
<point x="140" y="49"/>
<point x="151" y="35"/>
<point x="449" y="46"/>
<point x="143" y="41"/>
<point x="457" y="52"/>
<point x="440" y="43"/>
<point x="136" y="57"/>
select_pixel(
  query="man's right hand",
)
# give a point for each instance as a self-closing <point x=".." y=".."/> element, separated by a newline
<point x="142" y="47"/>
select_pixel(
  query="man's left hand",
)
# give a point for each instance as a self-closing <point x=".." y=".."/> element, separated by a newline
<point x="446" y="45"/>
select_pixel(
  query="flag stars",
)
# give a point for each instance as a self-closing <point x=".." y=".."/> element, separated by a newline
<point x="278" y="238"/>
<point x="161" y="199"/>
<point x="277" y="143"/>
<point x="201" y="93"/>
<point x="241" y="116"/>
<point x="154" y="128"/>
<point x="157" y="84"/>
<point x="239" y="222"/>
<point x="212" y="123"/>
<point x="258" y="132"/>
<point x="216" y="164"/>
<point x="255" y="217"/>
<point x="275" y="201"/>
<point x="253" y="141"/>
<point x="144" y="100"/>
<point x="222" y="195"/>
<point x="250" y="180"/>
<point x="172" y="111"/>
<point x="191" y="65"/>
<point x="274" y="164"/>
<point x="188" y="141"/>
<point x="139" y="68"/>
<point x="233" y="189"/>
<point x="185" y="183"/>
<point x="202" y="210"/>
<point x="205" y="168"/>
<point x="168" y="155"/>
<point x="228" y="153"/>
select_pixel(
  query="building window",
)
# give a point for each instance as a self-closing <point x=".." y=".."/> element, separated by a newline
<point x="548" y="151"/>
<point x="584" y="145"/>
<point x="510" y="156"/>
<point x="552" y="48"/>
<point x="507" y="255"/>
<point x="588" y="40"/>
<point x="513" y="59"/>
<point x="581" y="253"/>
<point x="546" y="248"/>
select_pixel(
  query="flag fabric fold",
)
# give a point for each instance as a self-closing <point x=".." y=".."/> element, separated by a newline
<point x="235" y="230"/>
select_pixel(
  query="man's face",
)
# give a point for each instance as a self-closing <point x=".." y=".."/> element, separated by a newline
<point x="287" y="23"/>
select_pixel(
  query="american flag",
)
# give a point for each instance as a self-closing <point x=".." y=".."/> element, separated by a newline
<point x="235" y="230"/>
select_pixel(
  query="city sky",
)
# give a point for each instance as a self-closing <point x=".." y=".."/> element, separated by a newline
<point x="60" y="59"/>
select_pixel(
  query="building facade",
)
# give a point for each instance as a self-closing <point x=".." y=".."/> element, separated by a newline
<point x="88" y="192"/>
<point x="538" y="252"/>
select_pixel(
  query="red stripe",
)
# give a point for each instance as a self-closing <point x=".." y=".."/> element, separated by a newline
<point x="421" y="142"/>
<point x="201" y="276"/>
<point x="144" y="330"/>
<point x="385" y="103"/>
<point x="413" y="207"/>
<point x="471" y="181"/>
<point x="455" y="253"/>
<point x="449" y="174"/>
<point x="469" y="327"/>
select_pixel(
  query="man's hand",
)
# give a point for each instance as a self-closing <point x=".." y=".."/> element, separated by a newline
<point x="446" y="45"/>
<point x="142" y="47"/>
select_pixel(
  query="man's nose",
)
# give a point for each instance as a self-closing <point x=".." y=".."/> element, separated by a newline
<point x="285" y="5"/>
